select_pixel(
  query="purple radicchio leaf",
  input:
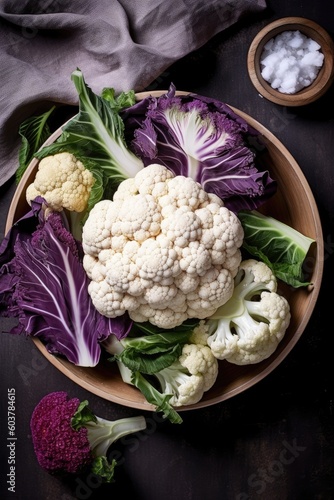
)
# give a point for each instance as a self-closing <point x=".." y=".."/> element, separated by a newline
<point x="45" y="286"/>
<point x="204" y="139"/>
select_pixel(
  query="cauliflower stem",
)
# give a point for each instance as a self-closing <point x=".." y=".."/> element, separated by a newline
<point x="102" y="433"/>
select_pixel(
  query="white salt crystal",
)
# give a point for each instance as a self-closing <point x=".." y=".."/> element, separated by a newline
<point x="284" y="65"/>
<point x="291" y="61"/>
<point x="276" y="82"/>
<point x="267" y="72"/>
<point x="312" y="45"/>
<point x="312" y="59"/>
<point x="295" y="41"/>
<point x="270" y="60"/>
<point x="289" y="83"/>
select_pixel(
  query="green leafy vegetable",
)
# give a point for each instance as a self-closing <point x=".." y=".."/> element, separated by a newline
<point x="148" y="348"/>
<point x="104" y="469"/>
<point x="34" y="132"/>
<point x="151" y="353"/>
<point x="82" y="415"/>
<point x="120" y="101"/>
<point x="96" y="135"/>
<point x="278" y="245"/>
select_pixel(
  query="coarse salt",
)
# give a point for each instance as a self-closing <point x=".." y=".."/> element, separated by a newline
<point x="291" y="61"/>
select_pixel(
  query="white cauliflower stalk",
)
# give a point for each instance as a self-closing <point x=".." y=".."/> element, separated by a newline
<point x="163" y="249"/>
<point x="249" y="326"/>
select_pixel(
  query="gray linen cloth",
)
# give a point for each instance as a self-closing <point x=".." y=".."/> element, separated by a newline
<point x="124" y="44"/>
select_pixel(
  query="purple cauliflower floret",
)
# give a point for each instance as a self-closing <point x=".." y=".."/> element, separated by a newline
<point x="58" y="447"/>
<point x="69" y="438"/>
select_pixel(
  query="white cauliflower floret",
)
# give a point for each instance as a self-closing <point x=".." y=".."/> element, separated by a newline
<point x="157" y="259"/>
<point x="249" y="326"/>
<point x="173" y="247"/>
<point x="184" y="191"/>
<point x="111" y="302"/>
<point x="159" y="296"/>
<point x="199" y="360"/>
<point x="224" y="230"/>
<point x="200" y="333"/>
<point x="183" y="370"/>
<point x="195" y="259"/>
<point x="164" y="318"/>
<point x="65" y="184"/>
<point x="194" y="373"/>
<point x="184" y="388"/>
<point x="257" y="273"/>
<point x="153" y="181"/>
<point x="122" y="275"/>
<point x="186" y="283"/>
<point x="96" y="234"/>
<point x="181" y="226"/>
<point x="214" y="288"/>
<point x="125" y="189"/>
<point x="63" y="181"/>
<point x="138" y="218"/>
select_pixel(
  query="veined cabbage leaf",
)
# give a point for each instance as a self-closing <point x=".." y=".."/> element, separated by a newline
<point x="203" y="139"/>
<point x="44" y="285"/>
<point x="278" y="245"/>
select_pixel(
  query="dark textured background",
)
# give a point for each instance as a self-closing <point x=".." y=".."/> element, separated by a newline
<point x="274" y="441"/>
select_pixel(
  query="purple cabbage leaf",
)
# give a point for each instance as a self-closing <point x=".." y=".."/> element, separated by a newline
<point x="203" y="139"/>
<point x="44" y="285"/>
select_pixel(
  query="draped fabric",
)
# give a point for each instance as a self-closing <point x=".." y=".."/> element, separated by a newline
<point x="124" y="44"/>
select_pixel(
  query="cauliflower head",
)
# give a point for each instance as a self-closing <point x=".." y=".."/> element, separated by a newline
<point x="249" y="326"/>
<point x="163" y="250"/>
<point x="183" y="387"/>
<point x="63" y="181"/>
<point x="199" y="360"/>
<point x="187" y="379"/>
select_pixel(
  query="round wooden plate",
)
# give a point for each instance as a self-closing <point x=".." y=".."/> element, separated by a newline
<point x="293" y="204"/>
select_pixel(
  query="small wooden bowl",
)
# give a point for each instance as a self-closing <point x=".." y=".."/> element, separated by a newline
<point x="293" y="204"/>
<point x="324" y="78"/>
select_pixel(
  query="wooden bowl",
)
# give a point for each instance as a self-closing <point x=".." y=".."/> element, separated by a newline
<point x="324" y="78"/>
<point x="293" y="204"/>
